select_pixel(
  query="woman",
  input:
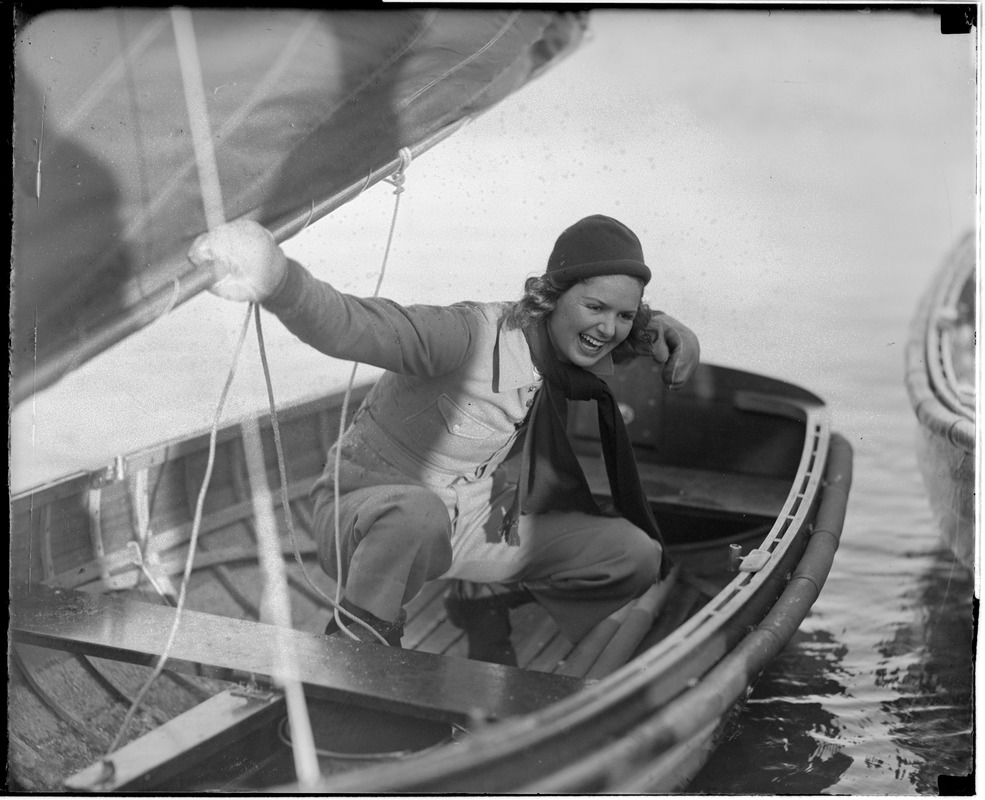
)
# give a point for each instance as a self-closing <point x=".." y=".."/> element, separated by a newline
<point x="421" y="495"/>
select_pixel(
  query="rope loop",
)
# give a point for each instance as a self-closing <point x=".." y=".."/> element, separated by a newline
<point x="173" y="299"/>
<point x="397" y="179"/>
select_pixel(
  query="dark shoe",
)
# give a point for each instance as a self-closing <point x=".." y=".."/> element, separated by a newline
<point x="390" y="631"/>
<point x="485" y="618"/>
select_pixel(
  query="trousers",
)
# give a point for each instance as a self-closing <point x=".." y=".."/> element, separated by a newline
<point x="393" y="538"/>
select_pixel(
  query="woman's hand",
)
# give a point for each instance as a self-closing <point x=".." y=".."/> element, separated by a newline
<point x="676" y="347"/>
<point x="246" y="261"/>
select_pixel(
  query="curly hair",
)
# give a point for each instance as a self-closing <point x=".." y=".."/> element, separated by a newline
<point x="540" y="297"/>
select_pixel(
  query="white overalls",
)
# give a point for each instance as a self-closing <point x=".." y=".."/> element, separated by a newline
<point x="421" y="493"/>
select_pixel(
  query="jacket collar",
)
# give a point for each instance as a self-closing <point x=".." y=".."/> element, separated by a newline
<point x="513" y="367"/>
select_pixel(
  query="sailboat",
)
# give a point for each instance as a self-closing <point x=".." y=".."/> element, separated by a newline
<point x="153" y="566"/>
<point x="940" y="381"/>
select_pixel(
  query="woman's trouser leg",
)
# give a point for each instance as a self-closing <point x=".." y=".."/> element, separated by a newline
<point x="585" y="568"/>
<point x="392" y="539"/>
<point x="580" y="567"/>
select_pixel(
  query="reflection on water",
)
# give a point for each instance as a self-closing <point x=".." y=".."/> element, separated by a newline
<point x="836" y="715"/>
<point x="788" y="741"/>
<point x="928" y="665"/>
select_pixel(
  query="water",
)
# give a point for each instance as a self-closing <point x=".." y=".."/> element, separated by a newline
<point x="795" y="177"/>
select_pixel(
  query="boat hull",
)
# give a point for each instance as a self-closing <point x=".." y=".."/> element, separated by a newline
<point x="949" y="476"/>
<point x="734" y="459"/>
<point x="940" y="381"/>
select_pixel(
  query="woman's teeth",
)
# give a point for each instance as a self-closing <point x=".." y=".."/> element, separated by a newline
<point x="590" y="343"/>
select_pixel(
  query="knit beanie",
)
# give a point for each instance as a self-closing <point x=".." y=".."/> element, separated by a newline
<point x="597" y="245"/>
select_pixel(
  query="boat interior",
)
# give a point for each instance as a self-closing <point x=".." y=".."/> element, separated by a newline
<point x="97" y="562"/>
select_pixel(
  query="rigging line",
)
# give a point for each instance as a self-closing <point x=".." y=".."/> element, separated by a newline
<point x="274" y="587"/>
<point x="276" y="608"/>
<point x="398" y="182"/>
<point x="282" y="468"/>
<point x="192" y="542"/>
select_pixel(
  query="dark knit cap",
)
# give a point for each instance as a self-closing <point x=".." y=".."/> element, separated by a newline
<point x="597" y="245"/>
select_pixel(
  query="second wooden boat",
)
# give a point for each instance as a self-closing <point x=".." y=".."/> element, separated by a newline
<point x="940" y="380"/>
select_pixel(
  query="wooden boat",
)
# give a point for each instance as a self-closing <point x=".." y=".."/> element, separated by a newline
<point x="734" y="460"/>
<point x="940" y="380"/>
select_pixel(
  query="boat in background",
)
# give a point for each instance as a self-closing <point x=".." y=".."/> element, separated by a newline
<point x="940" y="379"/>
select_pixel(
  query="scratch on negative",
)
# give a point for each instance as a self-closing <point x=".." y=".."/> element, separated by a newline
<point x="37" y="178"/>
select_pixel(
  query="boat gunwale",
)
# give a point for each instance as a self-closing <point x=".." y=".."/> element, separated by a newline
<point x="153" y="455"/>
<point x="750" y="656"/>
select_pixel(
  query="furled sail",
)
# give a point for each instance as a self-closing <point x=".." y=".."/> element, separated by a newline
<point x="306" y="108"/>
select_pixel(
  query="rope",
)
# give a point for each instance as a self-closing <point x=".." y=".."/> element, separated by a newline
<point x="397" y="181"/>
<point x="275" y="587"/>
<point x="305" y="762"/>
<point x="305" y="759"/>
<point x="192" y="543"/>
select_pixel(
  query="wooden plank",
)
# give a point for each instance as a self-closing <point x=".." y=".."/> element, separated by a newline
<point x="88" y="574"/>
<point x="717" y="491"/>
<point x="51" y="702"/>
<point x="534" y="642"/>
<point x="401" y="681"/>
<point x="182" y="742"/>
<point x="556" y="651"/>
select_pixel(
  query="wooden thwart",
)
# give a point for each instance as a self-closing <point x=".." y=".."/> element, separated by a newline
<point x="697" y="488"/>
<point x="184" y="741"/>
<point x="400" y="681"/>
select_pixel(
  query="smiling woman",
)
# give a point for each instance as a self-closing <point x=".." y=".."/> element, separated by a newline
<point x="592" y="297"/>
<point x="419" y="493"/>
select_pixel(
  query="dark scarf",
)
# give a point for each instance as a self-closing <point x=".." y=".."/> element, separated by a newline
<point x="551" y="479"/>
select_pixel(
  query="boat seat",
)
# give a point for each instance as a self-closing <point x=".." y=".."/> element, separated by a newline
<point x="698" y="489"/>
<point x="418" y="684"/>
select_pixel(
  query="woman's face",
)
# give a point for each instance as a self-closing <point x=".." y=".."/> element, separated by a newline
<point x="593" y="317"/>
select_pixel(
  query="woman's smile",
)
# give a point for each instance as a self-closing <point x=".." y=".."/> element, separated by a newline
<point x="593" y="317"/>
<point x="591" y="345"/>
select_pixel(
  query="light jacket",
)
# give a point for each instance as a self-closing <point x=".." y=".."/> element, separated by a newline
<point x="458" y="382"/>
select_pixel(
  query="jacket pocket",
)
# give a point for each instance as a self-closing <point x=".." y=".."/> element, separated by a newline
<point x="459" y="422"/>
